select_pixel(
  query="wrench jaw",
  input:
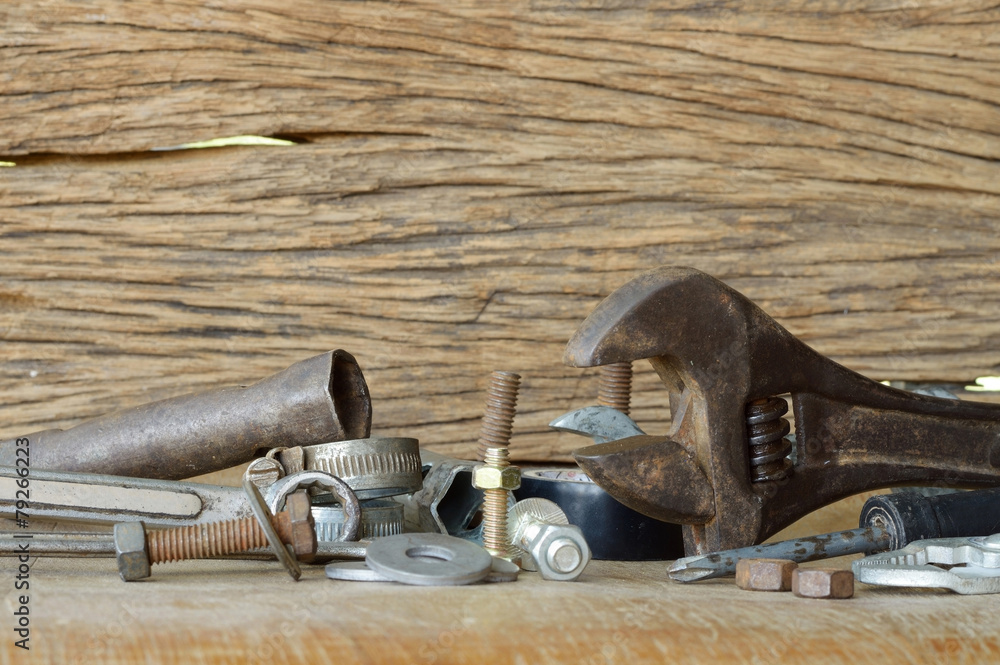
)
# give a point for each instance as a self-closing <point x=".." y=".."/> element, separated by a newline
<point x="717" y="352"/>
<point x="707" y="369"/>
<point x="652" y="475"/>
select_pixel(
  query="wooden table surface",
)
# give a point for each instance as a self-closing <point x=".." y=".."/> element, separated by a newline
<point x="618" y="612"/>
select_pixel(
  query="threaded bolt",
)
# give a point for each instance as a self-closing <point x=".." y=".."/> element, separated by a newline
<point x="615" y="387"/>
<point x="495" y="537"/>
<point x="205" y="541"/>
<point x="496" y="477"/>
<point x="137" y="549"/>
<point x="498" y="415"/>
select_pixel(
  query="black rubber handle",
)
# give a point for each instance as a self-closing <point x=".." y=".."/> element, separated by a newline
<point x="910" y="516"/>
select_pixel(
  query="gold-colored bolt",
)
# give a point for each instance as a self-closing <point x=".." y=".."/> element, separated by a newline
<point x="496" y="477"/>
<point x="615" y="387"/>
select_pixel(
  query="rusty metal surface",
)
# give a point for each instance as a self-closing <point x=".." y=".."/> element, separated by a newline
<point x="800" y="550"/>
<point x="822" y="583"/>
<point x="717" y="352"/>
<point x="321" y="399"/>
<point x="765" y="574"/>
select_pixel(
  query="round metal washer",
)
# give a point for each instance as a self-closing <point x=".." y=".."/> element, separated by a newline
<point x="429" y="559"/>
<point x="353" y="571"/>
<point x="502" y="571"/>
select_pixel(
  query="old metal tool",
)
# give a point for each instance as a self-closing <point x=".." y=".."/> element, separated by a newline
<point x="601" y="423"/>
<point x="964" y="565"/>
<point x="887" y="522"/>
<point x="799" y="550"/>
<point x="447" y="503"/>
<point x="102" y="499"/>
<point x="724" y="470"/>
<point x="613" y="530"/>
<point x="321" y="399"/>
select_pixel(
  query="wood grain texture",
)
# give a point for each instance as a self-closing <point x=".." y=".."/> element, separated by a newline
<point x="229" y="612"/>
<point x="471" y="180"/>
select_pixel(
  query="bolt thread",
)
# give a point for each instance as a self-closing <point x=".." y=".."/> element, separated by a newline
<point x="497" y="457"/>
<point x="498" y="417"/>
<point x="495" y="537"/>
<point x="203" y="541"/>
<point x="615" y="387"/>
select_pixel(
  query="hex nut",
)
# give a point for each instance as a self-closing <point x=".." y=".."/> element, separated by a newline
<point x="491" y="478"/>
<point x="765" y="574"/>
<point x="130" y="551"/>
<point x="560" y="552"/>
<point x="302" y="528"/>
<point x="822" y="583"/>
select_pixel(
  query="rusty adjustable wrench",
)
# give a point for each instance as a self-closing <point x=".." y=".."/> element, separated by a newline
<point x="724" y="470"/>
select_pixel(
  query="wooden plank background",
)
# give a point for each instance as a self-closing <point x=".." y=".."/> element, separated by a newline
<point x="469" y="179"/>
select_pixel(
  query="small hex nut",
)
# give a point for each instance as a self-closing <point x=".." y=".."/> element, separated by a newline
<point x="765" y="574"/>
<point x="302" y="528"/>
<point x="822" y="583"/>
<point x="559" y="552"/>
<point x="491" y="478"/>
<point x="130" y="551"/>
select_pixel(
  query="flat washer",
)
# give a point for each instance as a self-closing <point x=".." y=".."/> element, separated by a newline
<point x="353" y="571"/>
<point x="429" y="559"/>
<point x="502" y="571"/>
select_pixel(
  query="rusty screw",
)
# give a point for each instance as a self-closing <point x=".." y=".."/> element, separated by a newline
<point x="822" y="583"/>
<point x="498" y="416"/>
<point x="496" y="477"/>
<point x="765" y="574"/>
<point x="615" y="387"/>
<point x="137" y="549"/>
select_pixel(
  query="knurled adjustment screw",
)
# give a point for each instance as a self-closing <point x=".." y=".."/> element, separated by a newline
<point x="137" y="549"/>
<point x="496" y="477"/>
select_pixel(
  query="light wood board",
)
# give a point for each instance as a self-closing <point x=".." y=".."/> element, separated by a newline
<point x="617" y="612"/>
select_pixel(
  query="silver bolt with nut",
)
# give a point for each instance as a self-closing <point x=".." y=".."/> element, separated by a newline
<point x="554" y="547"/>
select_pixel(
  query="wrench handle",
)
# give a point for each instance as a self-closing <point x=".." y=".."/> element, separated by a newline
<point x="910" y="516"/>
